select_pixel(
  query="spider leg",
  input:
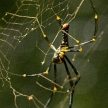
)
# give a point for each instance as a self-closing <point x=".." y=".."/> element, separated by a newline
<point x="71" y="99"/>
<point x="55" y="87"/>
<point x="96" y="18"/>
<point x="49" y="100"/>
<point x="55" y="75"/>
<point x="77" y="78"/>
<point x="68" y="73"/>
<point x="39" y="74"/>
<point x="95" y="31"/>
<point x="96" y="21"/>
<point x="75" y="50"/>
<point x="96" y="26"/>
<point x="71" y="84"/>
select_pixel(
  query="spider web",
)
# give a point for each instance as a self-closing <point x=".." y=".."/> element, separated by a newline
<point x="23" y="49"/>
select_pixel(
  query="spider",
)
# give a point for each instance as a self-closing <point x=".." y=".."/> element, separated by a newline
<point x="60" y="57"/>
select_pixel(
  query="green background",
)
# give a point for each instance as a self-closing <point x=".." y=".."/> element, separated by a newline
<point x="92" y="90"/>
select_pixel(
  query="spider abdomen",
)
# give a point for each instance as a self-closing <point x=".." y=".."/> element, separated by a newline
<point x="65" y="29"/>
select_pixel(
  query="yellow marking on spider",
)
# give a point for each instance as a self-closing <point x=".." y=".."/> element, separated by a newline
<point x="46" y="72"/>
<point x="44" y="35"/>
<point x="55" y="88"/>
<point x="78" y="76"/>
<point x="96" y="16"/>
<point x="24" y="75"/>
<point x="61" y="54"/>
<point x="50" y="45"/>
<point x="94" y="39"/>
<point x="77" y="41"/>
<point x="65" y="50"/>
<point x="30" y="97"/>
<point x="80" y="50"/>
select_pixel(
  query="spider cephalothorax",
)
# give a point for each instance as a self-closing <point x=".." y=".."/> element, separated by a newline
<point x="59" y="55"/>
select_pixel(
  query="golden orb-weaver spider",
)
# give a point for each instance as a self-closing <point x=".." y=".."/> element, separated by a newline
<point x="60" y="57"/>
